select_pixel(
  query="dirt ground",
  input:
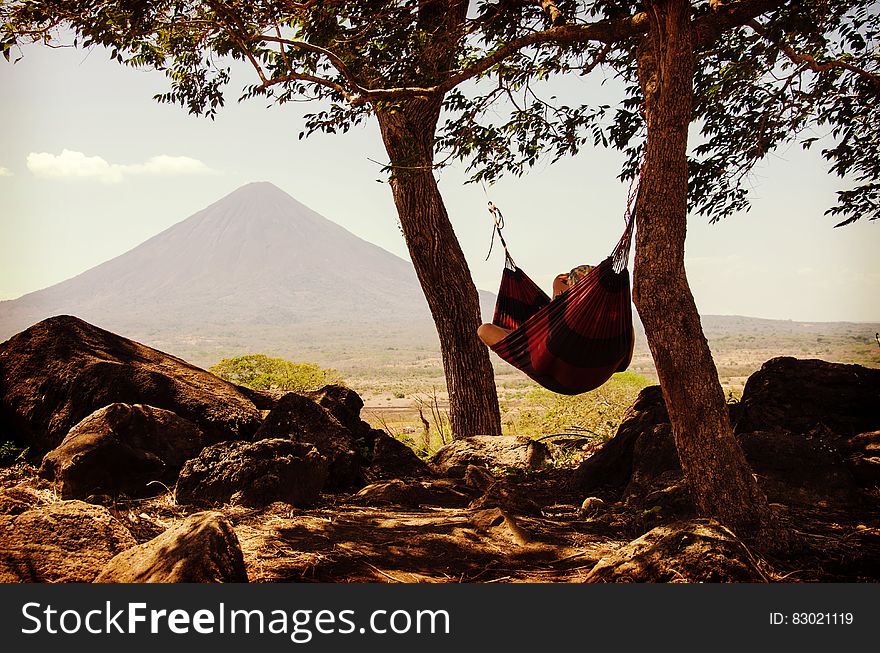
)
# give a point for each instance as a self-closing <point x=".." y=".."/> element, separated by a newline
<point x="340" y="541"/>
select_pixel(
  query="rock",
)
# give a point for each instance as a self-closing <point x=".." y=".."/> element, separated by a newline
<point x="16" y="500"/>
<point x="11" y="505"/>
<point x="799" y="395"/>
<point x="496" y="522"/>
<point x="507" y="452"/>
<point x="301" y="419"/>
<point x="61" y="370"/>
<point x="330" y="419"/>
<point x="202" y="549"/>
<point x="478" y="478"/>
<point x="799" y="470"/>
<point x="612" y="464"/>
<point x="501" y="495"/>
<point x="391" y="458"/>
<point x="121" y="448"/>
<point x="655" y="466"/>
<point x="669" y="499"/>
<point x="862" y="456"/>
<point x="65" y="542"/>
<point x="344" y="404"/>
<point x="591" y="507"/>
<point x="384" y="457"/>
<point x="253" y="474"/>
<point x="694" y="551"/>
<point x="413" y="494"/>
<point x="793" y="469"/>
<point x="264" y="400"/>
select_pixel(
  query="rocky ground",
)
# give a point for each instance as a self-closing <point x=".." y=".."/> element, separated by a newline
<point x="143" y="468"/>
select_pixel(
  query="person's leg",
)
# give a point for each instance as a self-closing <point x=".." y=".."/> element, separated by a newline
<point x="491" y="334"/>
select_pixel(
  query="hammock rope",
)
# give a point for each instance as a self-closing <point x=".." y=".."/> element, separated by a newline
<point x="498" y="225"/>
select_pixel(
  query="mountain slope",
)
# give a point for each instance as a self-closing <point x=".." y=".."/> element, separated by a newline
<point x="257" y="256"/>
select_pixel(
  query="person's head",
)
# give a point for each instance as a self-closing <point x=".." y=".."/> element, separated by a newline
<point x="578" y="273"/>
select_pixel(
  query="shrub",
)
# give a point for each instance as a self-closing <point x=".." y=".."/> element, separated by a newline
<point x="597" y="413"/>
<point x="261" y="372"/>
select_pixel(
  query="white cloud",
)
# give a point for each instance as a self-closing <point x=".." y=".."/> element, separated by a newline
<point x="76" y="165"/>
<point x="169" y="165"/>
<point x="5" y="172"/>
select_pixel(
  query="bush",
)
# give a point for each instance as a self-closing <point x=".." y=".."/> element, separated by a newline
<point x="261" y="372"/>
<point x="597" y="413"/>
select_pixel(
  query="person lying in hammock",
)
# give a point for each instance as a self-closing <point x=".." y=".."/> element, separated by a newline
<point x="492" y="334"/>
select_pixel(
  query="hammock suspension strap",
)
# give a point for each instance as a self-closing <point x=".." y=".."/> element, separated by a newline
<point x="498" y="225"/>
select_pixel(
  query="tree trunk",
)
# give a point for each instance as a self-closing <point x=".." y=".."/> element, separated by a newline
<point x="408" y="133"/>
<point x="713" y="463"/>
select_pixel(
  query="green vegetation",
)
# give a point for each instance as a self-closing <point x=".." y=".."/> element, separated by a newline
<point x="261" y="372"/>
<point x="596" y="414"/>
<point x="527" y="410"/>
<point x="10" y="453"/>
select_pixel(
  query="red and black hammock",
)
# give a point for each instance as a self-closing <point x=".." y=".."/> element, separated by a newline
<point x="575" y="342"/>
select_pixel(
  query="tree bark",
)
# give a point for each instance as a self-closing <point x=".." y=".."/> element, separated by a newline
<point x="408" y="132"/>
<point x="713" y="463"/>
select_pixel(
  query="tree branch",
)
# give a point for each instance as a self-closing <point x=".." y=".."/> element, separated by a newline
<point x="810" y="61"/>
<point x="724" y="15"/>
<point x="220" y="8"/>
<point x="320" y="81"/>
<point x="331" y="56"/>
<point x="708" y="27"/>
<point x="599" y="58"/>
<point x="549" y="7"/>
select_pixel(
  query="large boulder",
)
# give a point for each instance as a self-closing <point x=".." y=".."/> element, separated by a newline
<point x="203" y="548"/>
<point x="503" y="452"/>
<point x="799" y="469"/>
<point x="802" y="469"/>
<point x="801" y="395"/>
<point x="121" y="448"/>
<point x="803" y="464"/>
<point x="384" y="456"/>
<point x="64" y="542"/>
<point x="391" y="458"/>
<point x="862" y="455"/>
<point x="253" y="474"/>
<point x="656" y="484"/>
<point x="62" y="369"/>
<point x="612" y="465"/>
<point x="697" y="551"/>
<point x="792" y="468"/>
<point x="301" y="419"/>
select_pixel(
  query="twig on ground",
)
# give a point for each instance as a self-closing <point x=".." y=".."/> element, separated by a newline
<point x="379" y="571"/>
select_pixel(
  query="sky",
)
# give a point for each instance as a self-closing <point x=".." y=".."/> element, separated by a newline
<point x="91" y="166"/>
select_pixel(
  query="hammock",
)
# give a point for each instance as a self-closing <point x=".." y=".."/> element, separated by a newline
<point x="575" y="342"/>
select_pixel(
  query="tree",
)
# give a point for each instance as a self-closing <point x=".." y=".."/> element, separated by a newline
<point x="262" y="372"/>
<point x="754" y="91"/>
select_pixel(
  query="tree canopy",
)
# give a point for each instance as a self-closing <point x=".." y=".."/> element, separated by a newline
<point x="805" y="73"/>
